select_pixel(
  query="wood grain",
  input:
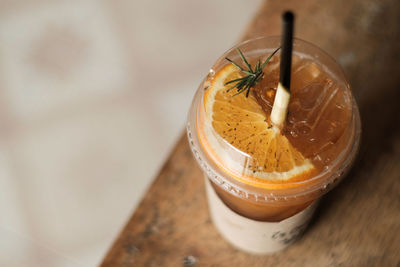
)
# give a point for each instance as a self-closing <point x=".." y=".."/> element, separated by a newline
<point x="358" y="223"/>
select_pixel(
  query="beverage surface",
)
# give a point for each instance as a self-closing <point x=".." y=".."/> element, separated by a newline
<point x="237" y="133"/>
<point x="319" y="109"/>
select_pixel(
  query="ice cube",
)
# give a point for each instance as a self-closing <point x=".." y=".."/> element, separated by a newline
<point x="311" y="95"/>
<point x="305" y="104"/>
<point x="306" y="74"/>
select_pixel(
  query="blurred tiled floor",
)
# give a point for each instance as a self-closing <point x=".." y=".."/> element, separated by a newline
<point x="93" y="95"/>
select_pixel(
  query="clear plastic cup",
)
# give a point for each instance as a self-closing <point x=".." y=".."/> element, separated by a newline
<point x="261" y="218"/>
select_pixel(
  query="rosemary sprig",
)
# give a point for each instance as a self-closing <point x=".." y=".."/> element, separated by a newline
<point x="253" y="76"/>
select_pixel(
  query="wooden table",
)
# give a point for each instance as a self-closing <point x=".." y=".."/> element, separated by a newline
<point x="358" y="223"/>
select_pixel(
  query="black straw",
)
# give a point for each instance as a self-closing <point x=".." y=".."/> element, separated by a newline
<point x="287" y="46"/>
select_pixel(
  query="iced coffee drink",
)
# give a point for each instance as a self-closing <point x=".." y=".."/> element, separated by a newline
<point x="264" y="181"/>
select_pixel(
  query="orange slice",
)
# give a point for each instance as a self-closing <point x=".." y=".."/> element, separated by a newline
<point x="236" y="133"/>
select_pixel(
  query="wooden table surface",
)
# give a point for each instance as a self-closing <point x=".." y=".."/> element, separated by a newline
<point x="358" y="223"/>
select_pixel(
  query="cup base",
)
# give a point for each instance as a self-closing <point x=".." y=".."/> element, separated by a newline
<point x="254" y="236"/>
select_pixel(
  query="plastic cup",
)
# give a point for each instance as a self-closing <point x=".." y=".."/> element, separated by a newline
<point x="266" y="220"/>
